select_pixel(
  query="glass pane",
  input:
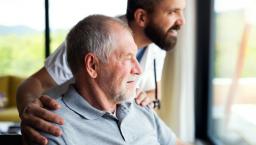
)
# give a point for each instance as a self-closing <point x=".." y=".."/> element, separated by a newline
<point x="65" y="13"/>
<point x="233" y="116"/>
<point x="21" y="37"/>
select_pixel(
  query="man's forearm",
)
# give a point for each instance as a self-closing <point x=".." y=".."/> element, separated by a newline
<point x="33" y="107"/>
<point x="29" y="90"/>
<point x="33" y="87"/>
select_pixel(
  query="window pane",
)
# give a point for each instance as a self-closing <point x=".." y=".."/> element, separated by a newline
<point x="21" y="37"/>
<point x="233" y="119"/>
<point x="65" y="13"/>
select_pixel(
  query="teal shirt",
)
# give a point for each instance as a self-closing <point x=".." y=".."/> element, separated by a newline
<point x="86" y="125"/>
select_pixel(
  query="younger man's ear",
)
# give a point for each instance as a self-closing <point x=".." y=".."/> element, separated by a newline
<point x="91" y="63"/>
<point x="140" y="17"/>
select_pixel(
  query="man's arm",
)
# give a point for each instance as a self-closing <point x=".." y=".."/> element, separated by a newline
<point x="33" y="87"/>
<point x="147" y="97"/>
<point x="33" y="108"/>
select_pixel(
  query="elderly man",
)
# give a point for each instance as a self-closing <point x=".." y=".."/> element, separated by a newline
<point x="100" y="107"/>
<point x="151" y="21"/>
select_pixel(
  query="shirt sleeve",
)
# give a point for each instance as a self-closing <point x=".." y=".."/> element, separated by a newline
<point x="57" y="66"/>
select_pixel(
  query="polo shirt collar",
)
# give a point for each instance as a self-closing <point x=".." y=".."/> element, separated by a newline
<point x="79" y="105"/>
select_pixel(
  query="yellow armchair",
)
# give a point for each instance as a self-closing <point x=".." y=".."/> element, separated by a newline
<point x="8" y="87"/>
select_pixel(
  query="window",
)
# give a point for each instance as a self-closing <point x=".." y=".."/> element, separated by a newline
<point x="233" y="83"/>
<point x="21" y="37"/>
<point x="22" y="31"/>
<point x="64" y="14"/>
<point x="24" y="34"/>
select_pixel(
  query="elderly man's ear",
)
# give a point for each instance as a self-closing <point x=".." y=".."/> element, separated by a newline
<point x="91" y="64"/>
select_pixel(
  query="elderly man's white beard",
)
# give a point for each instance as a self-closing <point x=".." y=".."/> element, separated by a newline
<point x="133" y="95"/>
<point x="125" y="96"/>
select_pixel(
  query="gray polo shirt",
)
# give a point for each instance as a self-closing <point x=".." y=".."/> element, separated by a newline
<point x="86" y="125"/>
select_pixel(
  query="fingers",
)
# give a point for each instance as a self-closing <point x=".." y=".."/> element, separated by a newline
<point x="139" y="96"/>
<point x="142" y="98"/>
<point x="34" y="118"/>
<point x="49" y="102"/>
<point x="42" y="125"/>
<point x="31" y="135"/>
<point x="151" y="105"/>
<point x="36" y="110"/>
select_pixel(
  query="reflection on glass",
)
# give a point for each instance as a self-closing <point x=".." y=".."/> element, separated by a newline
<point x="233" y="119"/>
<point x="21" y="37"/>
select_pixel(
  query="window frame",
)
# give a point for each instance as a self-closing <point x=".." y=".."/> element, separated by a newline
<point x="47" y="30"/>
<point x="204" y="70"/>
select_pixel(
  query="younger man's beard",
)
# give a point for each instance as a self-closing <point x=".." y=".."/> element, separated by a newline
<point x="161" y="38"/>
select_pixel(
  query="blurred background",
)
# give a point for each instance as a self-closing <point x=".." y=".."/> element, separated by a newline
<point x="209" y="81"/>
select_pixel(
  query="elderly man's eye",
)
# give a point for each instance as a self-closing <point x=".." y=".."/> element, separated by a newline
<point x="129" y="56"/>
